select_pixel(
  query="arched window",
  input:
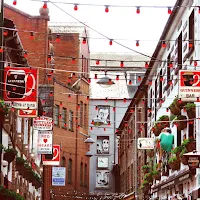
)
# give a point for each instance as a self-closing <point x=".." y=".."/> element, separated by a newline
<point x="81" y="174"/>
<point x="85" y="175"/>
<point x="70" y="171"/>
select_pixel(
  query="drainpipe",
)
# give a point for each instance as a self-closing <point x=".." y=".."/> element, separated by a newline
<point x="136" y="171"/>
<point x="76" y="145"/>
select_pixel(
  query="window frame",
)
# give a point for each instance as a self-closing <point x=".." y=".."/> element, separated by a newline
<point x="69" y="171"/>
<point x="56" y="115"/>
<point x="64" y="117"/>
<point x="70" y="126"/>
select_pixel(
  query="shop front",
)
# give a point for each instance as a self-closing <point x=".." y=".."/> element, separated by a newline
<point x="177" y="186"/>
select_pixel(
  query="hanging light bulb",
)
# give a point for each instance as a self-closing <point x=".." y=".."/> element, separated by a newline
<point x="170" y="64"/>
<point x="5" y="32"/>
<point x="139" y="78"/>
<point x="150" y="82"/>
<point x="88" y="98"/>
<point x="197" y="99"/>
<point x="190" y="44"/>
<point x="1" y="49"/>
<point x="61" y="104"/>
<point x="110" y="42"/>
<point x="195" y="63"/>
<point x="89" y="80"/>
<point x="57" y="38"/>
<point x="84" y="40"/>
<point x="49" y="58"/>
<point x="117" y="77"/>
<point x="106" y="9"/>
<point x="14" y="2"/>
<point x="104" y="129"/>
<point x="132" y="110"/>
<point x="146" y="65"/>
<point x="95" y="76"/>
<point x="114" y="109"/>
<point x="122" y="64"/>
<point x="91" y="128"/>
<point x="73" y="75"/>
<point x="167" y="109"/>
<point x="106" y="99"/>
<point x="51" y="94"/>
<point x="130" y="82"/>
<point x="69" y="96"/>
<point x="161" y="78"/>
<point x="164" y="44"/>
<point x="169" y="11"/>
<point x="31" y="35"/>
<point x="199" y="9"/>
<point x="96" y="107"/>
<point x="45" y="5"/>
<point x="69" y="79"/>
<point x="124" y="100"/>
<point x="73" y="60"/>
<point x="78" y="106"/>
<point x="25" y="54"/>
<point x="75" y="7"/>
<point x="137" y="43"/>
<point x="97" y="62"/>
<point x="138" y="10"/>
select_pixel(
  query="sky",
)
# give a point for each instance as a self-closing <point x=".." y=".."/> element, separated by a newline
<point x="119" y="23"/>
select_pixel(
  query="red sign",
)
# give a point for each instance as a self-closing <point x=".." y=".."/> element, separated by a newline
<point x="27" y="113"/>
<point x="20" y="87"/>
<point x="56" y="157"/>
<point x="43" y="123"/>
<point x="189" y="85"/>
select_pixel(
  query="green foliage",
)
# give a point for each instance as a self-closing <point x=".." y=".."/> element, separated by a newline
<point x="164" y="118"/>
<point x="172" y="117"/>
<point x="172" y="159"/>
<point x="145" y="182"/>
<point x="177" y="149"/>
<point x="12" y="150"/>
<point x="146" y="167"/>
<point x="9" y="193"/>
<point x="187" y="141"/>
<point x="155" y="172"/>
<point x="184" y="150"/>
<point x="20" y="160"/>
<point x="2" y="147"/>
<point x="147" y="175"/>
<point x="190" y="106"/>
<point x="3" y="107"/>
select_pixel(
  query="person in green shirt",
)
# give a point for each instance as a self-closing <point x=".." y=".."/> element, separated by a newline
<point x="166" y="142"/>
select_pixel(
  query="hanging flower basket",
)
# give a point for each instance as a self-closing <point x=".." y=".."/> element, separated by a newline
<point x="179" y="104"/>
<point x="146" y="168"/>
<point x="181" y="122"/>
<point x="191" y="146"/>
<point x="6" y="194"/>
<point x="156" y="130"/>
<point x="148" y="177"/>
<point x="146" y="188"/>
<point x="3" y="110"/>
<point x="9" y="155"/>
<point x="156" y="174"/>
<point x="174" y="163"/>
<point x="191" y="110"/>
<point x="174" y="110"/>
<point x="150" y="153"/>
<point x="177" y="151"/>
<point x="20" y="164"/>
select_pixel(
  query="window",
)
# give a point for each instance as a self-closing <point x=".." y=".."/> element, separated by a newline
<point x="191" y="32"/>
<point x="179" y="53"/>
<point x="81" y="114"/>
<point x="63" y="162"/>
<point x="71" y="120"/>
<point x="85" y="176"/>
<point x="70" y="171"/>
<point x="168" y="69"/>
<point x="81" y="174"/>
<point x="56" y="115"/>
<point x="85" y="116"/>
<point x="25" y="130"/>
<point x="64" y="117"/>
<point x="155" y="97"/>
<point x="160" y="88"/>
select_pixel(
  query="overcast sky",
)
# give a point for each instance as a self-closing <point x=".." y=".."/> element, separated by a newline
<point x="118" y="23"/>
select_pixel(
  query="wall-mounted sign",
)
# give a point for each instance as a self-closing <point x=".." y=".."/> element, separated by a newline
<point x="27" y="113"/>
<point x="58" y="176"/>
<point x="189" y="85"/>
<point x="56" y="157"/>
<point x="193" y="162"/>
<point x="20" y="88"/>
<point x="45" y="140"/>
<point x="145" y="143"/>
<point x="42" y="123"/>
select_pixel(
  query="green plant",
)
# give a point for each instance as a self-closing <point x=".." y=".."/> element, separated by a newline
<point x="146" y="167"/>
<point x="190" y="106"/>
<point x="177" y="149"/>
<point x="145" y="182"/>
<point x="172" y="117"/>
<point x="164" y="118"/>
<point x="184" y="150"/>
<point x="154" y="172"/>
<point x="3" y="107"/>
<point x="172" y="159"/>
<point x="147" y="175"/>
<point x="187" y="141"/>
<point x="9" y="193"/>
<point x="2" y="147"/>
<point x="20" y="160"/>
<point x="12" y="150"/>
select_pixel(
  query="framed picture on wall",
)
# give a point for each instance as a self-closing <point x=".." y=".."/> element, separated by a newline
<point x="103" y="144"/>
<point x="103" y="113"/>
<point x="102" y="178"/>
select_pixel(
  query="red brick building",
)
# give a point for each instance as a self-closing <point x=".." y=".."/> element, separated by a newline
<point x="68" y="82"/>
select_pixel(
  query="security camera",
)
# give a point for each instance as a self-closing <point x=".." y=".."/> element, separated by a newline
<point x="4" y="163"/>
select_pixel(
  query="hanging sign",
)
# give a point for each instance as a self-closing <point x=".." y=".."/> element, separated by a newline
<point x="58" y="176"/>
<point x="20" y="87"/>
<point x="27" y="113"/>
<point x="45" y="140"/>
<point x="56" y="157"/>
<point x="193" y="162"/>
<point x="189" y="85"/>
<point x="43" y="123"/>
<point x="145" y="143"/>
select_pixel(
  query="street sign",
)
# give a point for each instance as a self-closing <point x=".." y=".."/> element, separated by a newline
<point x="145" y="143"/>
<point x="56" y="157"/>
<point x="58" y="176"/>
<point x="27" y="113"/>
<point x="43" y="123"/>
<point x="45" y="139"/>
<point x="20" y="87"/>
<point x="189" y="85"/>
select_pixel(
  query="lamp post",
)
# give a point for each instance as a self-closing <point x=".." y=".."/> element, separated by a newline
<point x="1" y="70"/>
<point x="105" y="82"/>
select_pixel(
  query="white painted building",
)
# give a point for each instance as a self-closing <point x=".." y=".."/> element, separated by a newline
<point x="181" y="36"/>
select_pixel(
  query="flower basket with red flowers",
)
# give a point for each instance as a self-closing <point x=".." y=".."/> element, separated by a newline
<point x="9" y="154"/>
<point x="174" y="163"/>
<point x="191" y="110"/>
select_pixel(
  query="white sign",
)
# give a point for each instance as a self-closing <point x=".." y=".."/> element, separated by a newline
<point x="56" y="157"/>
<point x="145" y="143"/>
<point x="58" y="176"/>
<point x="43" y="123"/>
<point x="45" y="140"/>
<point x="189" y="85"/>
